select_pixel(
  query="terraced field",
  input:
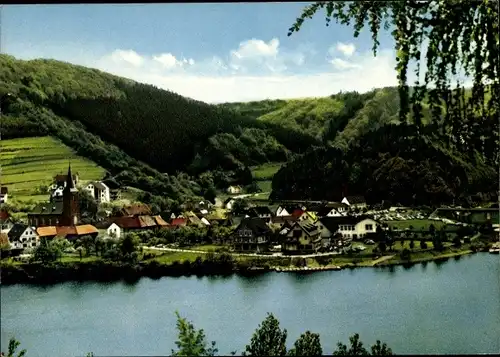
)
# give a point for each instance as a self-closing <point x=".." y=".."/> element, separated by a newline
<point x="29" y="163"/>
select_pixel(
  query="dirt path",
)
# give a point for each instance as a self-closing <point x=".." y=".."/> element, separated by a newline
<point x="383" y="259"/>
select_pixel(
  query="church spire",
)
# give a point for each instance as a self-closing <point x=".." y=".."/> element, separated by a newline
<point x="69" y="178"/>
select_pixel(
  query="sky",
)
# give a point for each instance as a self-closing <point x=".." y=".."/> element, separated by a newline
<point x="213" y="52"/>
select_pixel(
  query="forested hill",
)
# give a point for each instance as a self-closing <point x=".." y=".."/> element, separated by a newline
<point x="135" y="131"/>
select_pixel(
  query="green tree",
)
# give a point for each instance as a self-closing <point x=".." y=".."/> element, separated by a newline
<point x="308" y="344"/>
<point x="412" y="244"/>
<point x="381" y="349"/>
<point x="12" y="349"/>
<point x="268" y="339"/>
<point x="46" y="252"/>
<point x="191" y="342"/>
<point x="128" y="246"/>
<point x="355" y="349"/>
<point x="239" y="206"/>
<point x="446" y="40"/>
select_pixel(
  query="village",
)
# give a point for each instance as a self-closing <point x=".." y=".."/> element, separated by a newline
<point x="291" y="228"/>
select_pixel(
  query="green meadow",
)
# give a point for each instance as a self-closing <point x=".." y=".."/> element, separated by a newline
<point x="29" y="163"/>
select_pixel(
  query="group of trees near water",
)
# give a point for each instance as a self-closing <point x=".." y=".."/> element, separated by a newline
<point x="267" y="340"/>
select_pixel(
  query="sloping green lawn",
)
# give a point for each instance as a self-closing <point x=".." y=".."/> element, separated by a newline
<point x="28" y="163"/>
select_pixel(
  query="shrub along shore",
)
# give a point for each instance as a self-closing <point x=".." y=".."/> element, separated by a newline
<point x="210" y="265"/>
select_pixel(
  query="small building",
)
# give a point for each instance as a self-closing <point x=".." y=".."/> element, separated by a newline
<point x="233" y="190"/>
<point x="260" y="212"/>
<point x="23" y="236"/>
<point x="69" y="232"/>
<point x="280" y="221"/>
<point x="303" y="237"/>
<point x="63" y="212"/>
<point x="99" y="191"/>
<point x="122" y="225"/>
<point x="5" y="221"/>
<point x="4" y="194"/>
<point x="350" y="227"/>
<point x="307" y="216"/>
<point x="252" y="234"/>
<point x="286" y="210"/>
<point x="333" y="209"/>
<point x="354" y="201"/>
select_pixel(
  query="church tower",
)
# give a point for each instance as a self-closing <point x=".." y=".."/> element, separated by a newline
<point x="71" y="210"/>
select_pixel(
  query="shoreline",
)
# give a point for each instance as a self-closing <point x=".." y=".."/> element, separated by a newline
<point x="108" y="271"/>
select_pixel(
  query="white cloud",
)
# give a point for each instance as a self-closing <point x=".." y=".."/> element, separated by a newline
<point x="214" y="81"/>
<point x="256" y="49"/>
<point x="169" y="61"/>
<point x="347" y="49"/>
<point x="128" y="56"/>
<point x="341" y="64"/>
<point x="276" y="73"/>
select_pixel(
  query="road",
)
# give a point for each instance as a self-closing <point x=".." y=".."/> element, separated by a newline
<point x="244" y="254"/>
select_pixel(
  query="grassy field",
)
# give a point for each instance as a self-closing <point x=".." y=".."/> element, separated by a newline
<point x="265" y="172"/>
<point x="28" y="163"/>
<point x="265" y="186"/>
<point x="417" y="224"/>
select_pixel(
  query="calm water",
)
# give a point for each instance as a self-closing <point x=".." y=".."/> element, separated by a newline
<point x="449" y="308"/>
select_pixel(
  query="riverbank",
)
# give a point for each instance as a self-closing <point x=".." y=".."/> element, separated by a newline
<point x="211" y="265"/>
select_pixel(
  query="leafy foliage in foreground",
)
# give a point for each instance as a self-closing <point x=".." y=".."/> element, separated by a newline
<point x="448" y="41"/>
<point x="267" y="340"/>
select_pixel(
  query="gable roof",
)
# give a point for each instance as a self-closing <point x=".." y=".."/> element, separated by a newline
<point x="351" y="220"/>
<point x="136" y="209"/>
<point x="16" y="231"/>
<point x="178" y="222"/>
<point x="283" y="219"/>
<point x="315" y="207"/>
<point x="49" y="208"/>
<point x="259" y="210"/>
<point x="49" y="231"/>
<point x="353" y="200"/>
<point x="255" y="224"/>
<point x="85" y="229"/>
<point x="160" y="221"/>
<point x="99" y="185"/>
<point x="309" y="228"/>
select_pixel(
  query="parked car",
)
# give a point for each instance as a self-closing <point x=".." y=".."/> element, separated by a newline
<point x="369" y="242"/>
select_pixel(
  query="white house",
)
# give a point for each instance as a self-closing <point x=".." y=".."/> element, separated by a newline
<point x="349" y="227"/>
<point x="114" y="231"/>
<point x="333" y="210"/>
<point x="99" y="191"/>
<point x="354" y="201"/>
<point x="23" y="236"/>
<point x="233" y="189"/>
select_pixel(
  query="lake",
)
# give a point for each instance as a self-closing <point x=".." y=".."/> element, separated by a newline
<point x="445" y="308"/>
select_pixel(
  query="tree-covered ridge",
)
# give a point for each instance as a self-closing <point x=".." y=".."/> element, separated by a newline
<point x="172" y="128"/>
<point x="393" y="164"/>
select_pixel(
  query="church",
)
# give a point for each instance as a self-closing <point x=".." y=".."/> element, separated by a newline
<point x="60" y="211"/>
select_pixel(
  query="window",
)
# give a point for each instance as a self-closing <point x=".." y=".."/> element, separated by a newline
<point x="33" y="244"/>
<point x="297" y="233"/>
<point x="25" y="245"/>
<point x="368" y="227"/>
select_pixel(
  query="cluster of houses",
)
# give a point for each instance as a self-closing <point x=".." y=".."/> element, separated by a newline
<point x="289" y="228"/>
<point x="303" y="229"/>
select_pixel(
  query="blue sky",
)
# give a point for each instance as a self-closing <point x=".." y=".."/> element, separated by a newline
<point x="210" y="52"/>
